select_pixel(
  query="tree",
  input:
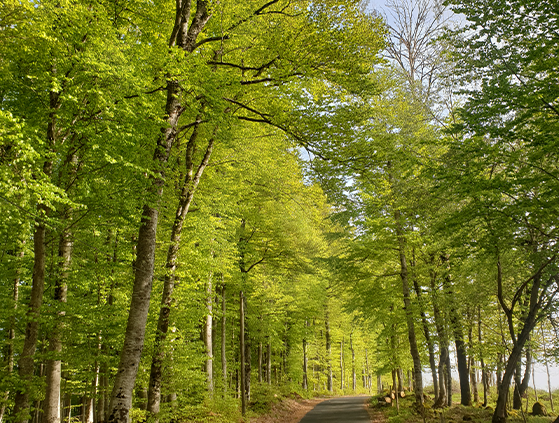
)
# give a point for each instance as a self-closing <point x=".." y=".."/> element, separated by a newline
<point x="505" y="136"/>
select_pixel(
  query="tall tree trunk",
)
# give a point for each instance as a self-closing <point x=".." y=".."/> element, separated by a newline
<point x="248" y="360"/>
<point x="547" y="369"/>
<point x="400" y="373"/>
<point x="223" y="338"/>
<point x="428" y="339"/>
<point x="484" y="375"/>
<point x="188" y="188"/>
<point x="516" y="398"/>
<point x="242" y="349"/>
<point x="523" y="388"/>
<point x="51" y="413"/>
<point x="269" y="364"/>
<point x="395" y="390"/>
<point x="26" y="359"/>
<point x="89" y="398"/>
<point x="354" y="378"/>
<point x="305" y="363"/>
<point x="208" y="339"/>
<point x="472" y="362"/>
<point x="12" y="329"/>
<point x="443" y="348"/>
<point x="260" y="363"/>
<point x="417" y="369"/>
<point x="328" y="349"/>
<point x="183" y="36"/>
<point x="461" y="353"/>
<point x="369" y="381"/>
<point x="342" y="365"/>
<point x="528" y="323"/>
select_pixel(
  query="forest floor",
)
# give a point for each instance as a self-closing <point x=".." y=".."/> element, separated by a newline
<point x="455" y="414"/>
<point x="293" y="408"/>
<point x="288" y="411"/>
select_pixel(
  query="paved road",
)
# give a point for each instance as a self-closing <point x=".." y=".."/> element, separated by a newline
<point x="340" y="410"/>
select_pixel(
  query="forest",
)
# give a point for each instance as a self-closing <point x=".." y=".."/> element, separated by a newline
<point x="209" y="203"/>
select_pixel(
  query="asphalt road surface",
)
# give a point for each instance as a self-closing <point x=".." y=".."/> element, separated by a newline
<point x="340" y="410"/>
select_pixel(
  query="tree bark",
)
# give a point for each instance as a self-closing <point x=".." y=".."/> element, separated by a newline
<point x="430" y="346"/>
<point x="223" y="338"/>
<point x="260" y="363"/>
<point x="342" y="365"/>
<point x="269" y="364"/>
<point x="417" y="372"/>
<point x="484" y="376"/>
<point x="188" y="189"/>
<point x="26" y="359"/>
<point x="547" y="369"/>
<point x="441" y="400"/>
<point x="528" y="324"/>
<point x="523" y="388"/>
<point x="354" y="378"/>
<point x="184" y="37"/>
<point x="328" y="349"/>
<point x="305" y="363"/>
<point x="242" y="349"/>
<point x="208" y="339"/>
<point x="12" y="330"/>
<point x="51" y="412"/>
<point x="461" y="353"/>
<point x="516" y="398"/>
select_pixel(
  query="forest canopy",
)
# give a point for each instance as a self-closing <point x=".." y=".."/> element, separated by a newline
<point x="209" y="202"/>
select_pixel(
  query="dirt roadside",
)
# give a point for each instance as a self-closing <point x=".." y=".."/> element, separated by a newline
<point x="288" y="411"/>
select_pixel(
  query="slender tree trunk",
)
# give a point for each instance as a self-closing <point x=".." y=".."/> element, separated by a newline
<point x="305" y="364"/>
<point x="547" y="369"/>
<point x="188" y="189"/>
<point x="499" y="370"/>
<point x="523" y="387"/>
<point x="51" y="412"/>
<point x="328" y="348"/>
<point x="269" y="364"/>
<point x="417" y="369"/>
<point x="535" y="390"/>
<point x="484" y="376"/>
<point x="428" y="339"/>
<point x="395" y="390"/>
<point x="528" y="323"/>
<point x="369" y="382"/>
<point x="342" y="365"/>
<point x="354" y="378"/>
<point x="400" y="374"/>
<point x="89" y="400"/>
<point x="472" y="362"/>
<point x="12" y="330"/>
<point x="223" y="338"/>
<point x="26" y="359"/>
<point x="461" y="353"/>
<point x="183" y="36"/>
<point x="208" y="339"/>
<point x="448" y="376"/>
<point x="242" y="349"/>
<point x="260" y="363"/>
<point x="516" y="398"/>
<point x="248" y="360"/>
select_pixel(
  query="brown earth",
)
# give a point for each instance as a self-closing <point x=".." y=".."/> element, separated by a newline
<point x="288" y="411"/>
<point x="375" y="414"/>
